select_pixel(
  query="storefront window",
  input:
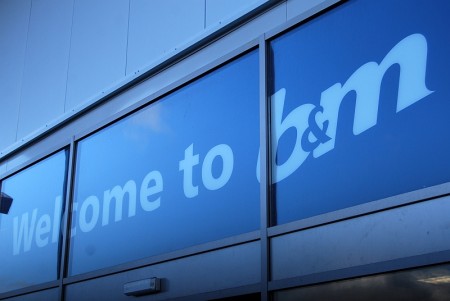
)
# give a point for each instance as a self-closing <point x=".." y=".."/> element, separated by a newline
<point x="179" y="172"/>
<point x="30" y="216"/>
<point x="360" y="106"/>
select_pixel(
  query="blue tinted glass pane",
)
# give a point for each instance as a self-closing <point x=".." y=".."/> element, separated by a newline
<point x="30" y="217"/>
<point x="360" y="105"/>
<point x="180" y="172"/>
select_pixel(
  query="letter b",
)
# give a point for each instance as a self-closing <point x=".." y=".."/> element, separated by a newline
<point x="297" y="119"/>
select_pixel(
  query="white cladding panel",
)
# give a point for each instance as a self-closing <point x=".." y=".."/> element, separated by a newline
<point x="14" y="16"/>
<point x="157" y="28"/>
<point x="45" y="70"/>
<point x="98" y="48"/>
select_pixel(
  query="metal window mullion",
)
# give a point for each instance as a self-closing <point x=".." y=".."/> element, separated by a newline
<point x="66" y="219"/>
<point x="265" y="167"/>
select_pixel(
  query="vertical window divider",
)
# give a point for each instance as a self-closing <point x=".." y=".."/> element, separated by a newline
<point x="66" y="218"/>
<point x="265" y="166"/>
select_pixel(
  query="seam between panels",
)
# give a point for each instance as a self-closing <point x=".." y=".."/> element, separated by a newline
<point x="128" y="38"/>
<point x="69" y="56"/>
<point x="23" y="71"/>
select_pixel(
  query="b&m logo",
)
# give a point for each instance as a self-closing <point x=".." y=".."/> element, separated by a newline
<point x="316" y="125"/>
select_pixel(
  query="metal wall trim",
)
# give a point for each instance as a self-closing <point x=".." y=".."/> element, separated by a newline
<point x="305" y="17"/>
<point x="363" y="209"/>
<point x="190" y="251"/>
<point x="43" y="153"/>
<point x="364" y="270"/>
<point x="242" y="290"/>
<point x="30" y="289"/>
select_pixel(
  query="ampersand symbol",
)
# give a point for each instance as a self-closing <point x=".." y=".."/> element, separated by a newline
<point x="315" y="130"/>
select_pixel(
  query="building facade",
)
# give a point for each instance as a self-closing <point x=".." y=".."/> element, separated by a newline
<point x="224" y="150"/>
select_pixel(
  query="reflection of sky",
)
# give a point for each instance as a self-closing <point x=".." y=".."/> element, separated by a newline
<point x="408" y="286"/>
<point x="147" y="121"/>
<point x="35" y="187"/>
<point x="219" y="108"/>
<point x="405" y="151"/>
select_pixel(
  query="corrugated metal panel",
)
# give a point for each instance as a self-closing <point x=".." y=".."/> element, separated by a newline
<point x="45" y="71"/>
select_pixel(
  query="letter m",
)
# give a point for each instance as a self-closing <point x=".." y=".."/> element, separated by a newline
<point x="410" y="54"/>
<point x="118" y="194"/>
